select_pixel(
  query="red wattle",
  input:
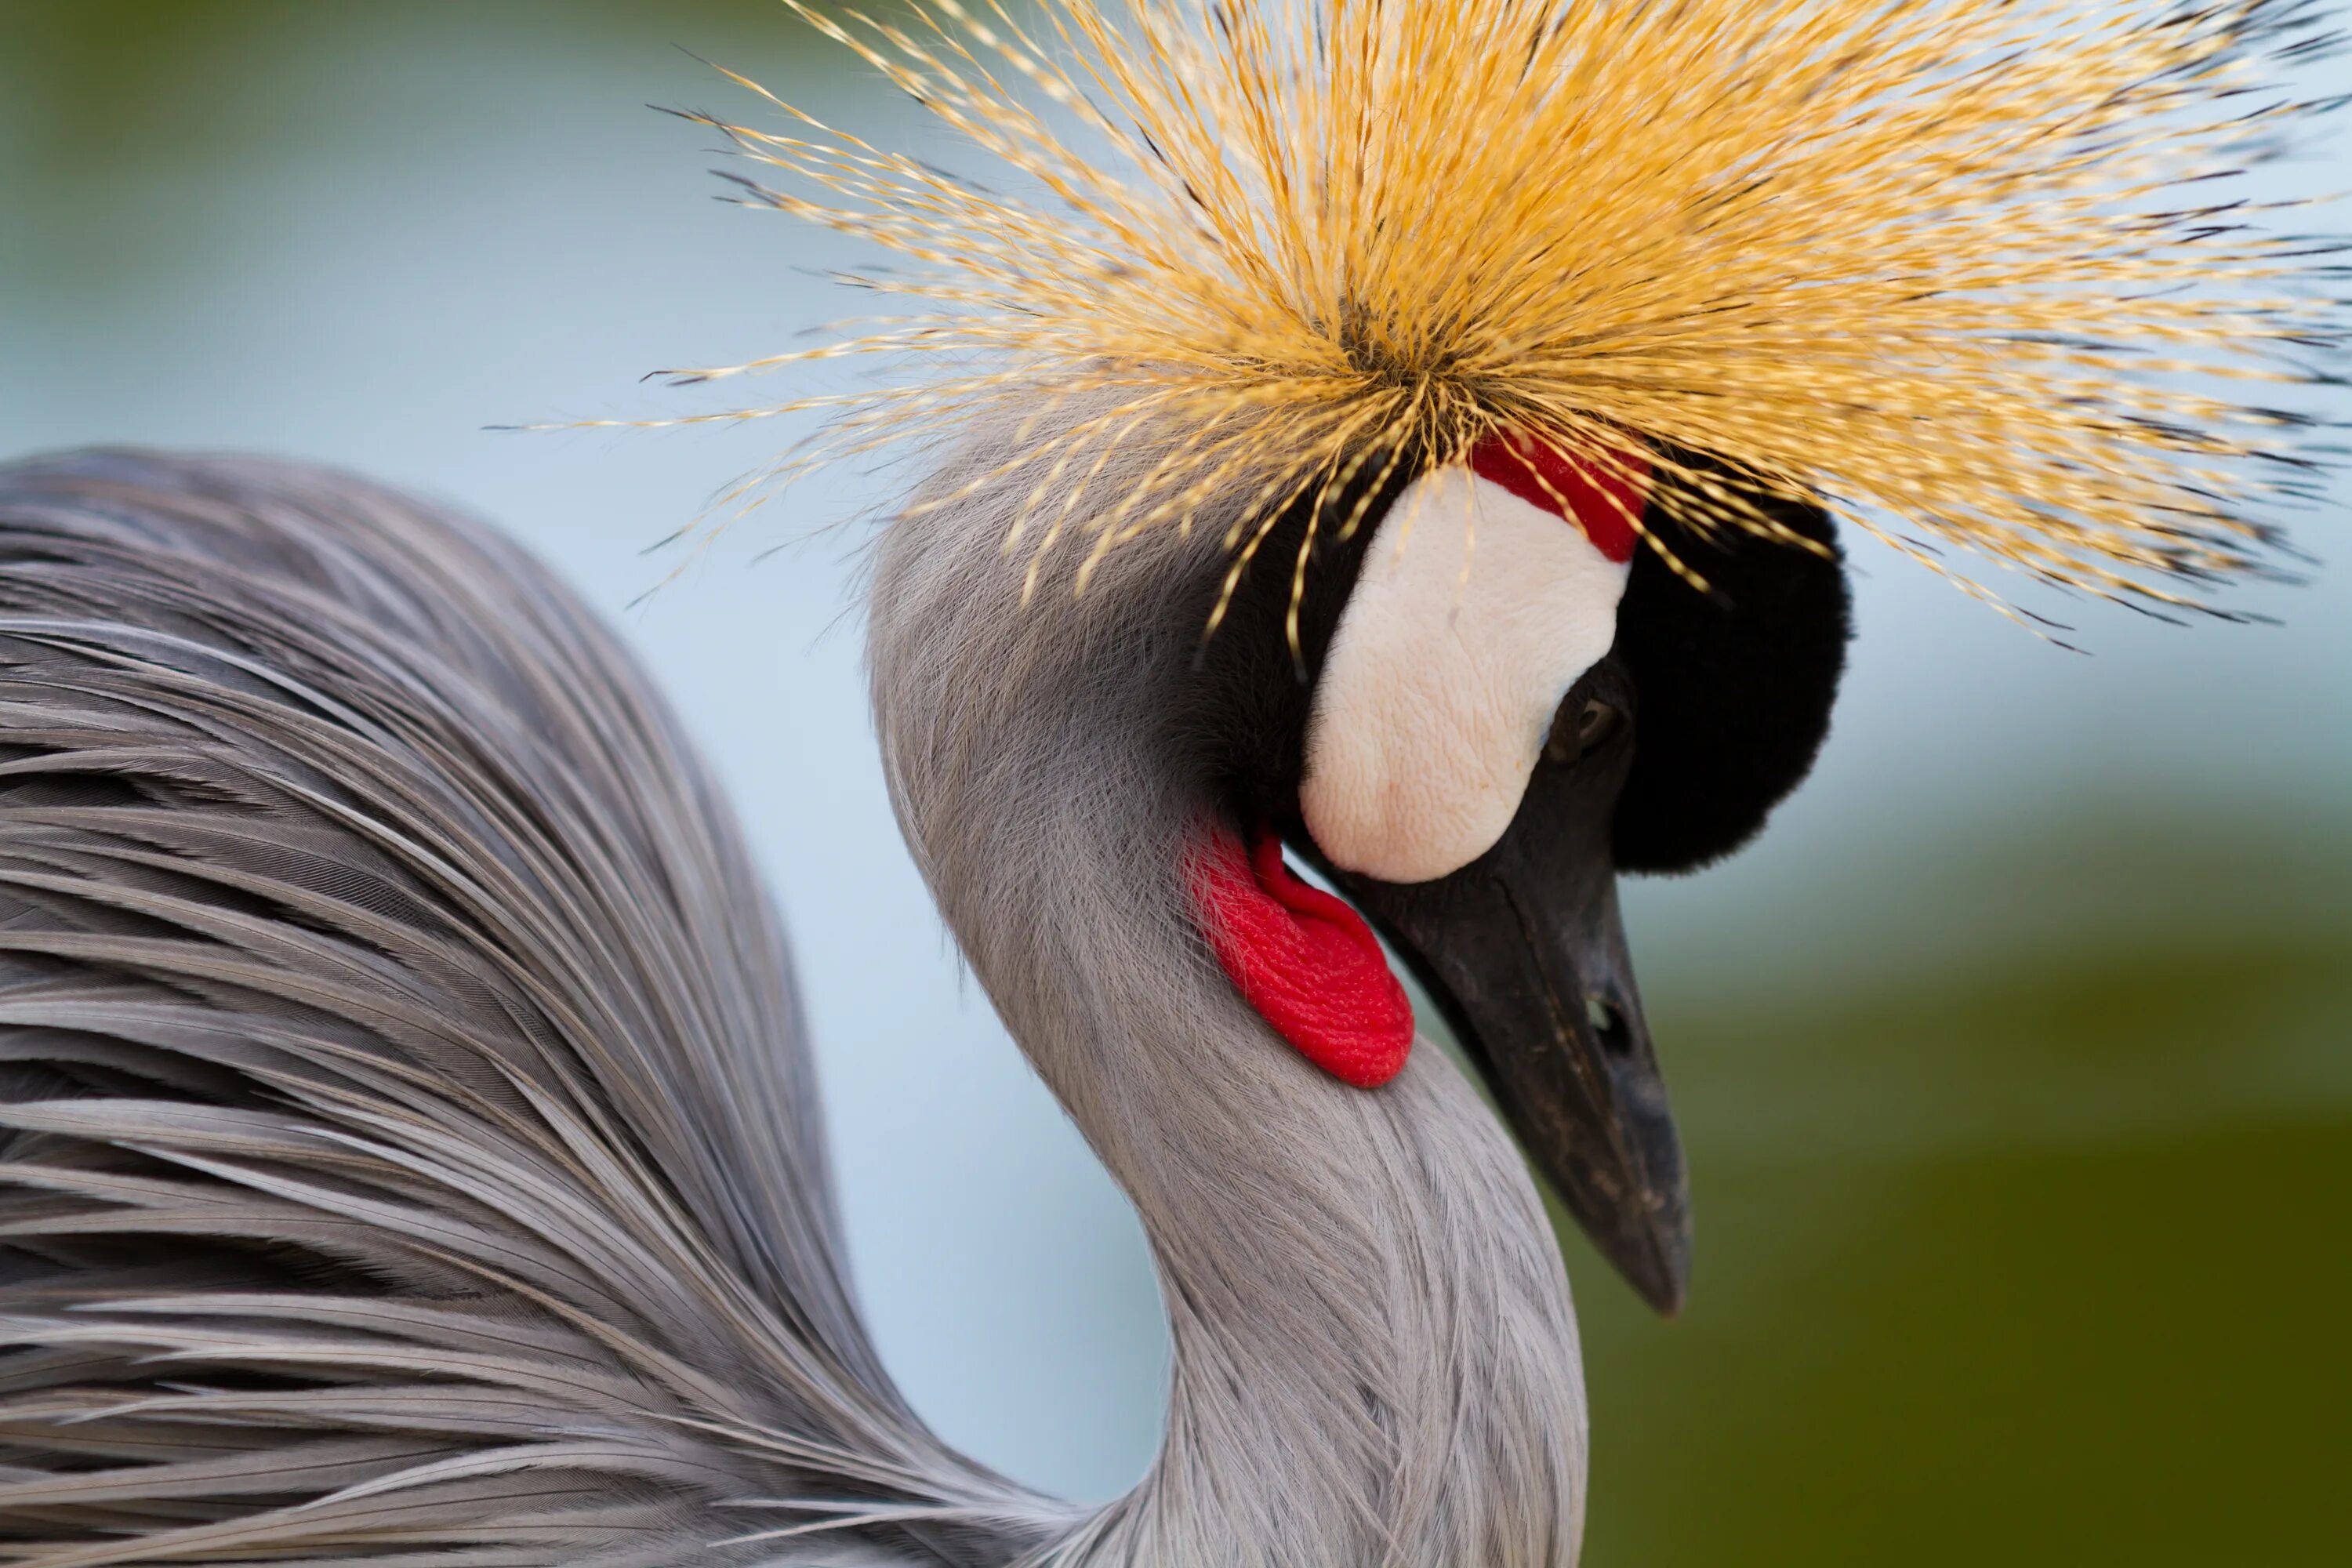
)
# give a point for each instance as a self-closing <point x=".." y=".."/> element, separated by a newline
<point x="1602" y="499"/>
<point x="1307" y="961"/>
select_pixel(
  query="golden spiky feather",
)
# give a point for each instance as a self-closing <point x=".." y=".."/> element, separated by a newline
<point x="1968" y="272"/>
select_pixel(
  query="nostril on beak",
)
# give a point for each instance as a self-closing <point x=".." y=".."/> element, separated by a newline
<point x="1608" y="1023"/>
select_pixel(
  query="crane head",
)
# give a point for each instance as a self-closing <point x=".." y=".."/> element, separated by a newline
<point x="1480" y="706"/>
<point x="1478" y="411"/>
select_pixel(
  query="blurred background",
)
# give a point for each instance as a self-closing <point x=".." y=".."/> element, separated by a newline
<point x="2014" y="1064"/>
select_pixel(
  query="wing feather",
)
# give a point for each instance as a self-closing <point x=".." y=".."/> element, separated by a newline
<point x="408" y="1154"/>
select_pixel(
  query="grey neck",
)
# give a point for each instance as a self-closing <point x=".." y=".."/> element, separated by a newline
<point x="1375" y="1355"/>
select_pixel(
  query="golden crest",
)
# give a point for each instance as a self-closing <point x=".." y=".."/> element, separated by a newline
<point x="1965" y="270"/>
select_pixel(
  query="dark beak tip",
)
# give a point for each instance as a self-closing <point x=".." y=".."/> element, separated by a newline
<point x="1657" y="1266"/>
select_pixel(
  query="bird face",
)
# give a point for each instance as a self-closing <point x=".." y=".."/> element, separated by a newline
<point x="1495" y="704"/>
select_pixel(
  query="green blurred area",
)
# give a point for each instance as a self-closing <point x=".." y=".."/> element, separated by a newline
<point x="2032" y="1251"/>
<point x="2022" y="1148"/>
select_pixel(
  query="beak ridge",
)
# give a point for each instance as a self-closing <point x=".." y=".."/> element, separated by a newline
<point x="1525" y="950"/>
<point x="1581" y="1088"/>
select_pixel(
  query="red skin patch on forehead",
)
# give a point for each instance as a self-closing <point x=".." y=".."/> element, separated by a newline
<point x="1307" y="961"/>
<point x="1601" y="500"/>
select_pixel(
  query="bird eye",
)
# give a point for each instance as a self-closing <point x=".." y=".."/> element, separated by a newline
<point x="1579" y="727"/>
<point x="1595" y="724"/>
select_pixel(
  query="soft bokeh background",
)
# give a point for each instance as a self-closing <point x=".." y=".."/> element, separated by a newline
<point x="2015" y="1064"/>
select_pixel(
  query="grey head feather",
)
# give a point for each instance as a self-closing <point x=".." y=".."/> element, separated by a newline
<point x="408" y="1154"/>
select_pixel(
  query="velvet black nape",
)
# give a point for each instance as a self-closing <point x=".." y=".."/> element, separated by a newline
<point x="1734" y="685"/>
<point x="1732" y="689"/>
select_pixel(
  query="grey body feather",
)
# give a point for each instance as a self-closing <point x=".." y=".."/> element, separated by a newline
<point x="407" y="1148"/>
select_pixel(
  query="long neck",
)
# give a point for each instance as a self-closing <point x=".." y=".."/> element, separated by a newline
<point x="1375" y="1355"/>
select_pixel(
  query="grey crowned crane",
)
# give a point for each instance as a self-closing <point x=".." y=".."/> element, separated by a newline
<point x="1409" y="441"/>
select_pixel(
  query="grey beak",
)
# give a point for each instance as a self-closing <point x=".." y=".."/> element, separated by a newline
<point x="1525" y="950"/>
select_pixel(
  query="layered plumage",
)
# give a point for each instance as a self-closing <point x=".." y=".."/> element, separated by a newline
<point x="407" y="1153"/>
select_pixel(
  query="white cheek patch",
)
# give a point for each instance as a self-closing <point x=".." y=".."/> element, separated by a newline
<point x="1441" y="683"/>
